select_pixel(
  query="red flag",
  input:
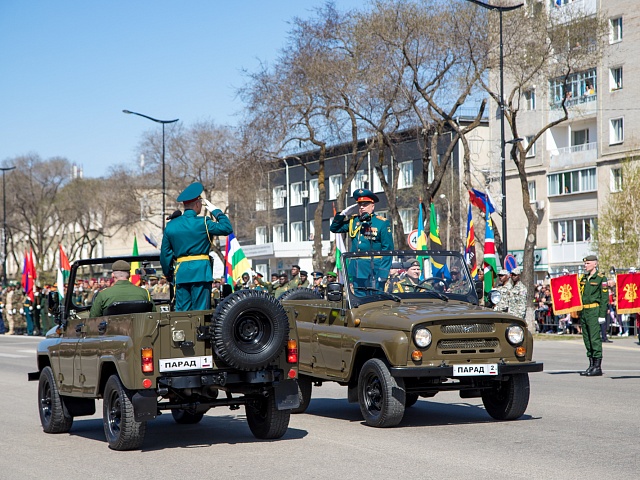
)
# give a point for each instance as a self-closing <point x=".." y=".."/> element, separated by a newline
<point x="627" y="292"/>
<point x="64" y="261"/>
<point x="565" y="294"/>
<point x="31" y="276"/>
<point x="25" y="270"/>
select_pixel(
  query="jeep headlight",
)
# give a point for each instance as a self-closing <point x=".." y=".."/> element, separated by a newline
<point x="515" y="335"/>
<point x="422" y="337"/>
<point x="495" y="296"/>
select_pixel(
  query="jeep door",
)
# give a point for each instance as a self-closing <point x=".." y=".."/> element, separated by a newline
<point x="68" y="346"/>
<point x="329" y="330"/>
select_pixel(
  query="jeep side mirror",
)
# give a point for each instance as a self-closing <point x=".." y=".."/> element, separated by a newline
<point x="53" y="303"/>
<point x="334" y="292"/>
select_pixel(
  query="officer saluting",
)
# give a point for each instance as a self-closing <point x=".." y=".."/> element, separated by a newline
<point x="367" y="232"/>
<point x="187" y="241"/>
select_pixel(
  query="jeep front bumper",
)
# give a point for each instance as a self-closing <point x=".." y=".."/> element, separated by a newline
<point x="447" y="370"/>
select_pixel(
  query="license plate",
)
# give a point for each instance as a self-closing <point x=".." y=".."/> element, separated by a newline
<point x="472" y="370"/>
<point x="188" y="363"/>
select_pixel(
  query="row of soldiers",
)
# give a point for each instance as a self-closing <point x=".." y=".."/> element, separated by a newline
<point x="513" y="293"/>
<point x="280" y="282"/>
<point x="19" y="315"/>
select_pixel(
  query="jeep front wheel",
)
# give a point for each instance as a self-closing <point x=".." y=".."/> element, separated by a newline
<point x="53" y="415"/>
<point x="381" y="396"/>
<point x="264" y="419"/>
<point x="305" y="387"/>
<point x="508" y="399"/>
<point x="120" y="427"/>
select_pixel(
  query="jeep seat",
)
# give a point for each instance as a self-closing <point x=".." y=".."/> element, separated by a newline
<point x="133" y="306"/>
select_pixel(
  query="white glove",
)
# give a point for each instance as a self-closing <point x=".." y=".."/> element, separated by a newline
<point x="601" y="320"/>
<point x="22" y="311"/>
<point x="209" y="206"/>
<point x="352" y="210"/>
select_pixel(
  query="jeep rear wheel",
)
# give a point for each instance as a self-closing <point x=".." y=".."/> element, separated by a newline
<point x="264" y="419"/>
<point x="185" y="417"/>
<point x="305" y="387"/>
<point x="250" y="329"/>
<point x="120" y="427"/>
<point x="53" y="414"/>
<point x="508" y="399"/>
<point x="381" y="396"/>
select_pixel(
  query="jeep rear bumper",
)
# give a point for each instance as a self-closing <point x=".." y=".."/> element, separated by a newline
<point x="447" y="371"/>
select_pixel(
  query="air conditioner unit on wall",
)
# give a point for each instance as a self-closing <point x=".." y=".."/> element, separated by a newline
<point x="540" y="204"/>
<point x="305" y="193"/>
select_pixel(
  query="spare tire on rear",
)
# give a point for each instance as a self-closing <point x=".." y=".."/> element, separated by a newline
<point x="250" y="329"/>
<point x="301" y="293"/>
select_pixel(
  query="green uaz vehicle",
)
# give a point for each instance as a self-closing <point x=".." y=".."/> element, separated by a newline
<point x="142" y="359"/>
<point x="391" y="338"/>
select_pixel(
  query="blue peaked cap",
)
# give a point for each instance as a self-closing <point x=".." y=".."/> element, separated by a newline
<point x="192" y="192"/>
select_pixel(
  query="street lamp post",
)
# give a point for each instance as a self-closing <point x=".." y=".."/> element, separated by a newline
<point x="163" y="122"/>
<point x="4" y="226"/>
<point x="500" y="10"/>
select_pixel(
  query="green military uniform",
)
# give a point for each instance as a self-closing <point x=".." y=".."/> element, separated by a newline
<point x="281" y="287"/>
<point x="595" y="297"/>
<point x="367" y="233"/>
<point x="121" y="291"/>
<point x="187" y="241"/>
<point x="407" y="285"/>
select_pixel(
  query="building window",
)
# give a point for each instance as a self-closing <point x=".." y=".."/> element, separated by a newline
<point x="279" y="195"/>
<point x="616" y="180"/>
<point x="532" y="150"/>
<point x="406" y="215"/>
<point x="278" y="233"/>
<point x="405" y="179"/>
<point x="577" y="181"/>
<point x="335" y="185"/>
<point x="579" y="137"/>
<point x="573" y="231"/>
<point x="297" y="232"/>
<point x="616" y="131"/>
<point x="261" y="235"/>
<point x="361" y="180"/>
<point x="578" y="88"/>
<point x="296" y="194"/>
<point x="314" y="191"/>
<point x="377" y="184"/>
<point x="530" y="99"/>
<point x="533" y="196"/>
<point x="615" y="78"/>
<point x="261" y="200"/>
<point x="615" y="30"/>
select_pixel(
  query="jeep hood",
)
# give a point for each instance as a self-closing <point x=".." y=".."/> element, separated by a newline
<point x="407" y="314"/>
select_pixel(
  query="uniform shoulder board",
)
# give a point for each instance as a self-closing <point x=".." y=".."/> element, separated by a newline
<point x="601" y="275"/>
<point x="379" y="217"/>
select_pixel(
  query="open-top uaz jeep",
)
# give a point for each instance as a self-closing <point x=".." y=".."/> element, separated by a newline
<point x="141" y="360"/>
<point x="391" y="340"/>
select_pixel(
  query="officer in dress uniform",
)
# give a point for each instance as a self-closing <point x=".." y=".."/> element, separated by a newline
<point x="121" y="291"/>
<point x="595" y="297"/>
<point x="187" y="242"/>
<point x="367" y="232"/>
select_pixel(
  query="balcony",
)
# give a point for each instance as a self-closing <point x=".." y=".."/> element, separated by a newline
<point x="581" y="107"/>
<point x="569" y="252"/>
<point x="584" y="154"/>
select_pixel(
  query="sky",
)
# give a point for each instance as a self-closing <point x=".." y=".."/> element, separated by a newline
<point x="69" y="68"/>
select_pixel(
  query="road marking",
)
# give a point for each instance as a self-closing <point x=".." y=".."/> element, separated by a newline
<point x="577" y="371"/>
<point x="28" y="351"/>
<point x="11" y="355"/>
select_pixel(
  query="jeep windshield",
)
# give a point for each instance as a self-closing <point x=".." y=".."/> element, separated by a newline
<point x="399" y="275"/>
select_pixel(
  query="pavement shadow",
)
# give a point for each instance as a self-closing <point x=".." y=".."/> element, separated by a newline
<point x="164" y="433"/>
<point x="423" y="414"/>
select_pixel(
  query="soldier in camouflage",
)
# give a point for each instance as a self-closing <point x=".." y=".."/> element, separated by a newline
<point x="518" y="295"/>
<point x="505" y="291"/>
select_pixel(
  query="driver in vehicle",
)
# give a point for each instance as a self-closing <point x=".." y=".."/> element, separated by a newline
<point x="457" y="285"/>
<point x="411" y="281"/>
<point x="121" y="291"/>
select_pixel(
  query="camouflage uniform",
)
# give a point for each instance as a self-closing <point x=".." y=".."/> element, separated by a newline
<point x="518" y="300"/>
<point x="505" y="297"/>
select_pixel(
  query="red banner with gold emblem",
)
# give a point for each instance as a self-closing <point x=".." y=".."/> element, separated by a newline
<point x="628" y="292"/>
<point x="565" y="294"/>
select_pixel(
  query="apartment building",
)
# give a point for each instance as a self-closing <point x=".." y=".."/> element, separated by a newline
<point x="576" y="165"/>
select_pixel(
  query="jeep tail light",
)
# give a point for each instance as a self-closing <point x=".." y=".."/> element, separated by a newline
<point x="147" y="360"/>
<point x="292" y="351"/>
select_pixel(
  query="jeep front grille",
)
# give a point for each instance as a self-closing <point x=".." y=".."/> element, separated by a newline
<point x="473" y="345"/>
<point x="468" y="328"/>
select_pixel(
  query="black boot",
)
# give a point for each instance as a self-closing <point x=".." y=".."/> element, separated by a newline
<point x="597" y="370"/>
<point x="586" y="372"/>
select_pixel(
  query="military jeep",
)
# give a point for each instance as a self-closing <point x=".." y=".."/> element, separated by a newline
<point x="393" y="335"/>
<point x="142" y="359"/>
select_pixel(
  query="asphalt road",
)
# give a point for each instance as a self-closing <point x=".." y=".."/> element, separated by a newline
<point x="574" y="428"/>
